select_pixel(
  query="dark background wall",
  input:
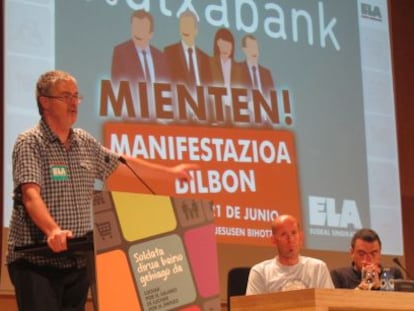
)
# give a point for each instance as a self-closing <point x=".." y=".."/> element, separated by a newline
<point x="1" y="119"/>
<point x="402" y="29"/>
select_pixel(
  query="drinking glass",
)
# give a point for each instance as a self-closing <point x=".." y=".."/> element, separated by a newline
<point x="368" y="276"/>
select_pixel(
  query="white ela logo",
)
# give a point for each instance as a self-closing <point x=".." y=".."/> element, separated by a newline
<point x="322" y="212"/>
<point x="58" y="172"/>
<point x="371" y="12"/>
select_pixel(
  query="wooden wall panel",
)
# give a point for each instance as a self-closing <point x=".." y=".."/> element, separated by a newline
<point x="402" y="29"/>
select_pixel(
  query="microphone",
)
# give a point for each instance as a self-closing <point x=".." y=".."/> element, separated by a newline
<point x="124" y="162"/>
<point x="399" y="264"/>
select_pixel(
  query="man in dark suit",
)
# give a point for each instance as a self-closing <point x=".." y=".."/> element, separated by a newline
<point x="136" y="60"/>
<point x="188" y="64"/>
<point x="254" y="75"/>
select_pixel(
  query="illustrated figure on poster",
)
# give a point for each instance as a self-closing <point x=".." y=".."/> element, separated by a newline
<point x="255" y="76"/>
<point x="188" y="64"/>
<point x="225" y="71"/>
<point x="136" y="60"/>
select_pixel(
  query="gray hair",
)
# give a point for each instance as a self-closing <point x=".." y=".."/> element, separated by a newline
<point x="47" y="82"/>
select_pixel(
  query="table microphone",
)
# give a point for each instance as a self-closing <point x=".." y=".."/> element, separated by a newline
<point x="124" y="161"/>
<point x="399" y="264"/>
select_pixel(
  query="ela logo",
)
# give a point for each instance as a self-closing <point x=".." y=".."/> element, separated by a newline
<point x="322" y="212"/>
<point x="59" y="172"/>
<point x="371" y="12"/>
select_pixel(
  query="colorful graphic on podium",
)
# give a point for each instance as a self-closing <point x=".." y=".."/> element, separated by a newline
<point x="155" y="253"/>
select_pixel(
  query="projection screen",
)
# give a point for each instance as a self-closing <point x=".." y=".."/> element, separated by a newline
<point x="319" y="142"/>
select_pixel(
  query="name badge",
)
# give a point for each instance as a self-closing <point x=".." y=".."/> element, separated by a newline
<point x="59" y="172"/>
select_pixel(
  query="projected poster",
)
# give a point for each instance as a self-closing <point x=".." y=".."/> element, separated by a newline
<point x="295" y="133"/>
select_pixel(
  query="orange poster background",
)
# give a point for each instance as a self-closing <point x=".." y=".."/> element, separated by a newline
<point x="276" y="184"/>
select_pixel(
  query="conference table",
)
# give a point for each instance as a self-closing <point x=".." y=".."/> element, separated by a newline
<point x="325" y="300"/>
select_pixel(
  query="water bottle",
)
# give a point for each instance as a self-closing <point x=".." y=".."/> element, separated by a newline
<point x="387" y="280"/>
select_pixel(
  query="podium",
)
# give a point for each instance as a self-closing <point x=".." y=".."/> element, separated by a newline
<point x="325" y="300"/>
<point x="154" y="253"/>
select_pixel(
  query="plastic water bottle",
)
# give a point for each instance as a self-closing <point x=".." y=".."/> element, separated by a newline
<point x="387" y="280"/>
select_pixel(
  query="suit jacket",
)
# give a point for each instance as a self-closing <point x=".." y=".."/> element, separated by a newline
<point x="266" y="79"/>
<point x="126" y="64"/>
<point x="217" y="78"/>
<point x="178" y="66"/>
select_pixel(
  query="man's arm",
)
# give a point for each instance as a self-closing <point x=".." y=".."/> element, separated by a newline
<point x="336" y="279"/>
<point x="255" y="283"/>
<point x="148" y="169"/>
<point x="38" y="212"/>
<point x="325" y="280"/>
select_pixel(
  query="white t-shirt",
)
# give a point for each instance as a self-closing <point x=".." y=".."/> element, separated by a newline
<point x="270" y="276"/>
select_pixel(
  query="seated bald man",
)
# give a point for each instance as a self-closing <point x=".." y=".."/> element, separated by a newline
<point x="288" y="270"/>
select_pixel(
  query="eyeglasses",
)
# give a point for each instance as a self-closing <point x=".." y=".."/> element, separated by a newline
<point x="67" y="97"/>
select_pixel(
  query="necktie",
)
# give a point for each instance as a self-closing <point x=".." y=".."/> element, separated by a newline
<point x="255" y="83"/>
<point x="191" y="70"/>
<point x="146" y="67"/>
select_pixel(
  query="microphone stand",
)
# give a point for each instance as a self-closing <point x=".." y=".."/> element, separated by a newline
<point x="125" y="162"/>
<point x="399" y="264"/>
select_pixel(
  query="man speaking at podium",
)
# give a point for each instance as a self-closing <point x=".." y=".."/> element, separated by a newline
<point x="288" y="270"/>
<point x="54" y="170"/>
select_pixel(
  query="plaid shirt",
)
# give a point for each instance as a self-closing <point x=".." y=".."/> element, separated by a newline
<point x="66" y="179"/>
